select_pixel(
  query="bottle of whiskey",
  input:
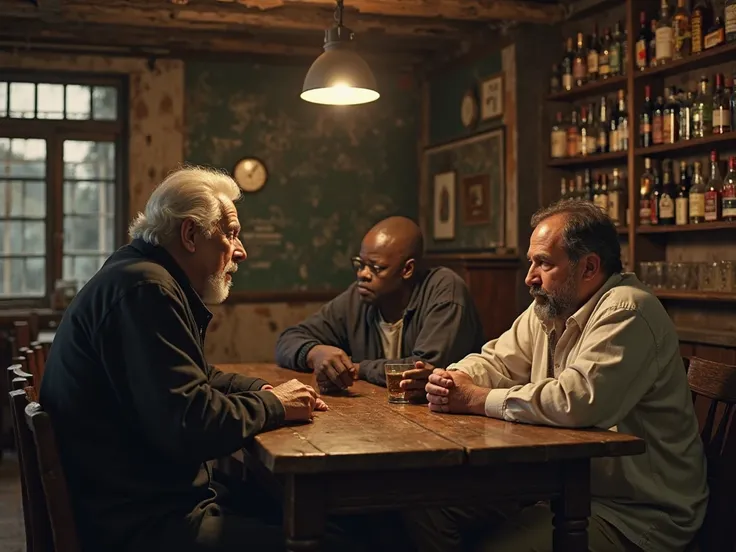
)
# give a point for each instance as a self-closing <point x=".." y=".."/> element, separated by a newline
<point x="681" y="200"/>
<point x="697" y="195"/>
<point x="558" y="139"/>
<point x="664" y="35"/>
<point x="642" y="43"/>
<point x="615" y="55"/>
<point x="580" y="63"/>
<point x="622" y="128"/>
<point x="656" y="194"/>
<point x="617" y="196"/>
<point x="653" y="44"/>
<point x="588" y="185"/>
<point x="604" y="55"/>
<point x="671" y="124"/>
<point x="721" y="108"/>
<point x="686" y="116"/>
<point x="573" y="135"/>
<point x="699" y="25"/>
<point x="713" y="201"/>
<point x="658" y="122"/>
<point x="703" y="111"/>
<point x="646" y="185"/>
<point x="683" y="45"/>
<point x="729" y="192"/>
<point x="645" y="119"/>
<point x="567" y="66"/>
<point x="594" y="47"/>
<point x="602" y="145"/>
<point x="667" y="195"/>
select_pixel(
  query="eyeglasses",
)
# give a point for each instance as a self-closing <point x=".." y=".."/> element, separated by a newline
<point x="359" y="264"/>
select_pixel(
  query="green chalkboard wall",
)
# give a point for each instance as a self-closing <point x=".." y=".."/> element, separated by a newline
<point x="333" y="171"/>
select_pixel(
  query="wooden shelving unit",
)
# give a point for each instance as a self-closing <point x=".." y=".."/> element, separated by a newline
<point x="689" y="295"/>
<point x="686" y="146"/>
<point x="613" y="158"/>
<point x="701" y="227"/>
<point x="649" y="243"/>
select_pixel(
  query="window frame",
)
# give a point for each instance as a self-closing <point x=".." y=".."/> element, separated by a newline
<point x="55" y="132"/>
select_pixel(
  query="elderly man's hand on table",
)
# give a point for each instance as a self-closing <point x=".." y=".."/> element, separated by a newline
<point x="299" y="400"/>
<point x="454" y="391"/>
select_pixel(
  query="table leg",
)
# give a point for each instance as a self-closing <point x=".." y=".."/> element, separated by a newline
<point x="304" y="513"/>
<point x="572" y="508"/>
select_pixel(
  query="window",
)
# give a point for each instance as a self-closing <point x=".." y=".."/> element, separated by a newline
<point x="61" y="191"/>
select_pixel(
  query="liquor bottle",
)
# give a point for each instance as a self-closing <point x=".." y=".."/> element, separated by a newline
<point x="729" y="13"/>
<point x="642" y="43"/>
<point x="667" y="195"/>
<point x="563" y="190"/>
<point x="558" y="139"/>
<point x="600" y="192"/>
<point x="729" y="192"/>
<point x="622" y="127"/>
<point x="594" y="48"/>
<point x="603" y="127"/>
<point x="555" y="79"/>
<point x="713" y="191"/>
<point x="686" y="116"/>
<point x="721" y="108"/>
<point x="703" y="111"/>
<point x="584" y="142"/>
<point x="567" y="65"/>
<point x="655" y="195"/>
<point x="571" y="190"/>
<point x="588" y="185"/>
<point x="613" y="142"/>
<point x="579" y="191"/>
<point x="681" y="200"/>
<point x="696" y="206"/>
<point x="681" y="27"/>
<point x="716" y="35"/>
<point x="658" y="122"/>
<point x="615" y="55"/>
<point x="653" y="44"/>
<point x="699" y="24"/>
<point x="604" y="55"/>
<point x="671" y="121"/>
<point x="580" y="63"/>
<point x="573" y="135"/>
<point x="645" y="119"/>
<point x="732" y="104"/>
<point x="646" y="184"/>
<point x="591" y="131"/>
<point x="617" y="196"/>
<point x="664" y="35"/>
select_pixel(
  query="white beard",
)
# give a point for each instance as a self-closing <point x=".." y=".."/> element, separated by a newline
<point x="218" y="287"/>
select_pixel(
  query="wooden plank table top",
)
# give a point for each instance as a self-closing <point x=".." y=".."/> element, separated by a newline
<point x="364" y="453"/>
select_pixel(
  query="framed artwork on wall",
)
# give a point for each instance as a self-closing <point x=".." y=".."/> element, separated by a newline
<point x="491" y="97"/>
<point x="475" y="198"/>
<point x="444" y="206"/>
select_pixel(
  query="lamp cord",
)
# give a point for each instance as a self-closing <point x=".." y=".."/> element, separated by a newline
<point x="338" y="13"/>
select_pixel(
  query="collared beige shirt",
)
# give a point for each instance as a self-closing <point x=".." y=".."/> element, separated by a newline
<point x="616" y="365"/>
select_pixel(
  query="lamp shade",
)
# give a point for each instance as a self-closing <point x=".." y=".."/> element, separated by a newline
<point x="339" y="77"/>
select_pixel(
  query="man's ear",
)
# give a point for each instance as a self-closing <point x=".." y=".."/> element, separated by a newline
<point x="409" y="267"/>
<point x="591" y="266"/>
<point x="187" y="233"/>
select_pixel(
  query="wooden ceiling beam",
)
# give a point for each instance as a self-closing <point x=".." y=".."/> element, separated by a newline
<point x="458" y="10"/>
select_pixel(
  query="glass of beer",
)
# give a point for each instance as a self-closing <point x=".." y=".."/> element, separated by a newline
<point x="394" y="375"/>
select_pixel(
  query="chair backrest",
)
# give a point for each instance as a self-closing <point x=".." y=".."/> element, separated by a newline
<point x="47" y="507"/>
<point x="33" y="365"/>
<point x="15" y="371"/>
<point x="715" y="382"/>
<point x="21" y="335"/>
<point x="40" y="355"/>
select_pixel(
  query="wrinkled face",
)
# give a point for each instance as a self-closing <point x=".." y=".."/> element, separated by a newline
<point x="219" y="255"/>
<point x="380" y="267"/>
<point x="553" y="279"/>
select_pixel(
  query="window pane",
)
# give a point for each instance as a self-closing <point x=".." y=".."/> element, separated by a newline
<point x="105" y="103"/>
<point x="3" y="99"/>
<point x="4" y="189"/>
<point x="82" y="197"/>
<point x="34" y="242"/>
<point x="16" y="276"/>
<point x="22" y="100"/>
<point x="110" y="199"/>
<point x="50" y="101"/>
<point x="67" y="269"/>
<point x="89" y="160"/>
<point x="82" y="234"/>
<point x="109" y="235"/>
<point x="77" y="101"/>
<point x="26" y="158"/>
<point x="81" y="268"/>
<point x="35" y="199"/>
<point x="35" y="276"/>
<point x="16" y="198"/>
<point x="13" y="237"/>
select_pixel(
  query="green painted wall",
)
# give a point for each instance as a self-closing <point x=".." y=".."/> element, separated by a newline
<point x="333" y="171"/>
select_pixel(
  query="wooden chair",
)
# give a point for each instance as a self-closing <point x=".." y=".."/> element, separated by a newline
<point x="33" y="365"/>
<point x="15" y="371"/>
<point x="716" y="383"/>
<point x="21" y="335"/>
<point x="40" y="355"/>
<point x="51" y="523"/>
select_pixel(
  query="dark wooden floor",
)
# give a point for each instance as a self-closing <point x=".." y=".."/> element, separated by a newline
<point x="12" y="537"/>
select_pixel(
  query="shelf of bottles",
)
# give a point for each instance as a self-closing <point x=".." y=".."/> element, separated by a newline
<point x="607" y="190"/>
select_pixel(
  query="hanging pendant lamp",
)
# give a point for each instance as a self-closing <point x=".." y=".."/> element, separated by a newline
<point x="339" y="76"/>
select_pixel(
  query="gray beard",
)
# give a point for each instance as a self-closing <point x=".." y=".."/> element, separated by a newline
<point x="554" y="307"/>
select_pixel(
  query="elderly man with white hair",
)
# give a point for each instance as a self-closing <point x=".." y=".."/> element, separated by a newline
<point x="137" y="409"/>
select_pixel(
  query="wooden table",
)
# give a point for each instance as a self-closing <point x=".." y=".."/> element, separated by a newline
<point x="366" y="454"/>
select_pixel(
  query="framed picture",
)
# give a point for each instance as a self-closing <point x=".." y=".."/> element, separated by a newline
<point x="444" y="206"/>
<point x="475" y="198"/>
<point x="491" y="97"/>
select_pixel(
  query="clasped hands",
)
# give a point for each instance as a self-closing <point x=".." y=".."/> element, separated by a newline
<point x="454" y="391"/>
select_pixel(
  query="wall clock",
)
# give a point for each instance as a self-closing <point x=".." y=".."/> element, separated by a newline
<point x="250" y="174"/>
<point x="468" y="109"/>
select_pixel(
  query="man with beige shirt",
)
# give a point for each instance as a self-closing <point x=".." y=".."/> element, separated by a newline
<point x="594" y="349"/>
